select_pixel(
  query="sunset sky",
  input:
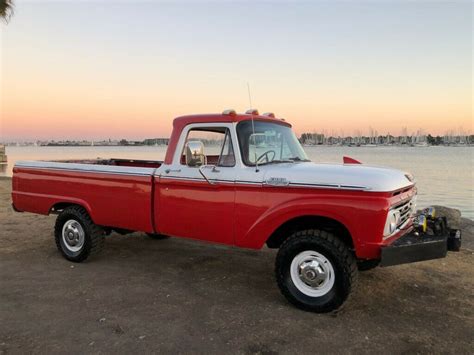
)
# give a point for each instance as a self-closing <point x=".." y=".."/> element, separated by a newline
<point x="113" y="69"/>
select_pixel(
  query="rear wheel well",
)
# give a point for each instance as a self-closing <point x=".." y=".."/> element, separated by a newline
<point x="309" y="222"/>
<point x="61" y="206"/>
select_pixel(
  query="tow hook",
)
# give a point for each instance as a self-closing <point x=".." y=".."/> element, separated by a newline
<point x="454" y="240"/>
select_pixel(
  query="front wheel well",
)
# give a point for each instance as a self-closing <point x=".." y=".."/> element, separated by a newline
<point x="309" y="222"/>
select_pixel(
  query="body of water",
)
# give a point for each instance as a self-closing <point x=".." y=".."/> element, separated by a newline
<point x="444" y="175"/>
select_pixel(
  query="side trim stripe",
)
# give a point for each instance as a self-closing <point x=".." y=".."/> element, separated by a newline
<point x="183" y="178"/>
<point x="244" y="182"/>
<point x="330" y="186"/>
<point x="135" y="171"/>
<point x="89" y="168"/>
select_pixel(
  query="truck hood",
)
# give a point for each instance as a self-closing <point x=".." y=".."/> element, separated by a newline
<point x="343" y="176"/>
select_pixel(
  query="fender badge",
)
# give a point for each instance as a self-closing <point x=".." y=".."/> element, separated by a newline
<point x="275" y="181"/>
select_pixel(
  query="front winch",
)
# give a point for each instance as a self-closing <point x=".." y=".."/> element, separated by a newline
<point x="431" y="238"/>
<point x="420" y="223"/>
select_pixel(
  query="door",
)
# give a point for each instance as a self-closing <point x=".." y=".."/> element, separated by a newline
<point x="197" y="192"/>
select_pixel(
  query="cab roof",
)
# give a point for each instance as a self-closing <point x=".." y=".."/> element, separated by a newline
<point x="226" y="118"/>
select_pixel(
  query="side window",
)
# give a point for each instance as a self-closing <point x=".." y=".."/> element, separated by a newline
<point x="227" y="157"/>
<point x="217" y="142"/>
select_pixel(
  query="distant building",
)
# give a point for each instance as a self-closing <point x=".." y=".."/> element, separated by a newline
<point x="3" y="157"/>
<point x="156" y="141"/>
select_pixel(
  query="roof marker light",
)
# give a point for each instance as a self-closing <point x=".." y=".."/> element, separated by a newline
<point x="230" y="112"/>
<point x="252" y="111"/>
<point x="269" y="114"/>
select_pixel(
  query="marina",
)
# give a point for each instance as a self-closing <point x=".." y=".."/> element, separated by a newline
<point x="3" y="156"/>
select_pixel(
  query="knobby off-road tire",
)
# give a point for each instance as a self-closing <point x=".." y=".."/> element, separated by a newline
<point x="77" y="237"/>
<point x="315" y="270"/>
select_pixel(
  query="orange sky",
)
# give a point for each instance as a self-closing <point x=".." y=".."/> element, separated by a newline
<point x="69" y="72"/>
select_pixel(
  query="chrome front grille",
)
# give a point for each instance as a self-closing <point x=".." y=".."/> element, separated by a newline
<point x="405" y="210"/>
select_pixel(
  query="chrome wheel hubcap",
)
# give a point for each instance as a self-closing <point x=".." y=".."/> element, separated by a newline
<point x="312" y="273"/>
<point x="73" y="235"/>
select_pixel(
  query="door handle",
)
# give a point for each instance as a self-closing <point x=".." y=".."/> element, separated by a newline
<point x="172" y="171"/>
<point x="201" y="168"/>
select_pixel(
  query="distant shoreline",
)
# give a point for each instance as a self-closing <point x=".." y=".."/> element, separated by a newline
<point x="304" y="146"/>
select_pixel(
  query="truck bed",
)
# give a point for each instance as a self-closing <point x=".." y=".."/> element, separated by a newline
<point x="115" y="192"/>
<point x="116" y="162"/>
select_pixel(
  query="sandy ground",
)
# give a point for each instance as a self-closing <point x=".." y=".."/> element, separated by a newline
<point x="144" y="295"/>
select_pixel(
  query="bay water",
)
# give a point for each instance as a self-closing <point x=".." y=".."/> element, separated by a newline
<point x="444" y="175"/>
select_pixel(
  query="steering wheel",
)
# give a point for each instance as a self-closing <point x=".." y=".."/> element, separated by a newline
<point x="266" y="154"/>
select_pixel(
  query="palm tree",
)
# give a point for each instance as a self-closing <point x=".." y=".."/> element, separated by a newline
<point x="6" y="9"/>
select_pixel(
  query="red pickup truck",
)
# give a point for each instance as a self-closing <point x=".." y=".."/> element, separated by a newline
<point x="243" y="180"/>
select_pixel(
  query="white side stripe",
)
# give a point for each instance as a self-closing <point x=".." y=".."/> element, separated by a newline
<point x="86" y="168"/>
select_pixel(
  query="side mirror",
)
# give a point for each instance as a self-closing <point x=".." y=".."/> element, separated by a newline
<point x="195" y="154"/>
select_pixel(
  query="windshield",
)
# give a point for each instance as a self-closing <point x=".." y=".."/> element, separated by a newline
<point x="268" y="143"/>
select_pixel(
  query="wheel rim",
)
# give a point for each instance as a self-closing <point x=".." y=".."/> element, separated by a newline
<point x="312" y="273"/>
<point x="73" y="236"/>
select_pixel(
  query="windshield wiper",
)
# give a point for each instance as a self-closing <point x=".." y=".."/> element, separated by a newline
<point x="298" y="159"/>
<point x="277" y="162"/>
<point x="289" y="160"/>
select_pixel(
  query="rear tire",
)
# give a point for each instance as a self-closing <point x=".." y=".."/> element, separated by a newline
<point x="77" y="237"/>
<point x="157" y="236"/>
<point x="315" y="270"/>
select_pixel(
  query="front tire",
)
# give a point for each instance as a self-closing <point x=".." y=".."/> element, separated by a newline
<point x="315" y="270"/>
<point x="77" y="237"/>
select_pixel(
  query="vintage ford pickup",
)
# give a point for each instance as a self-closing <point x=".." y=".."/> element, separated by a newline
<point x="253" y="186"/>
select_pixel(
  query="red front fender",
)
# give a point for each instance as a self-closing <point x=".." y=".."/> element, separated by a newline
<point x="364" y="218"/>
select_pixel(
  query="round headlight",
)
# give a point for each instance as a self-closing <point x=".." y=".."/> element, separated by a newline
<point x="393" y="218"/>
<point x="397" y="218"/>
<point x="393" y="223"/>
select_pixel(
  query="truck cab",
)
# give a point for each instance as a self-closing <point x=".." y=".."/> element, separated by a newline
<point x="243" y="180"/>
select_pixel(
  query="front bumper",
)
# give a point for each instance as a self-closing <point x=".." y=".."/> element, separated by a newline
<point x="419" y="246"/>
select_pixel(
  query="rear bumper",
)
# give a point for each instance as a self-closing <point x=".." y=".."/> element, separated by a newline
<point x="417" y="246"/>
